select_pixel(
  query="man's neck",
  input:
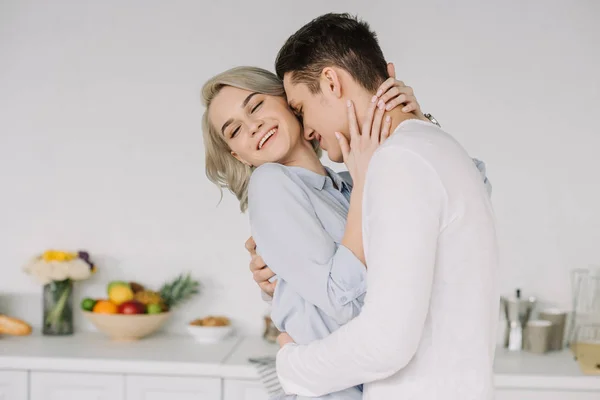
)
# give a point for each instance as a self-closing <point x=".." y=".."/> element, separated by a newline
<point x="396" y="114"/>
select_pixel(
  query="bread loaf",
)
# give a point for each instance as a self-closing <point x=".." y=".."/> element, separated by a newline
<point x="13" y="326"/>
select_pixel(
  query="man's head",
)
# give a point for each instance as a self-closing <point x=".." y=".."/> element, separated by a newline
<point x="330" y="60"/>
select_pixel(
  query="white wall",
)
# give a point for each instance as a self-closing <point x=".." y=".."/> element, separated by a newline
<point x="100" y="139"/>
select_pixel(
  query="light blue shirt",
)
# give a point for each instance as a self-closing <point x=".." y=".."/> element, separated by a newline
<point x="298" y="218"/>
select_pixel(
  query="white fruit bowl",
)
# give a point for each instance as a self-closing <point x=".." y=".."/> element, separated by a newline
<point x="127" y="327"/>
<point x="209" y="334"/>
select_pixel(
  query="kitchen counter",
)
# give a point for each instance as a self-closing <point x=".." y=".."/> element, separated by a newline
<point x="180" y="355"/>
<point x="160" y="354"/>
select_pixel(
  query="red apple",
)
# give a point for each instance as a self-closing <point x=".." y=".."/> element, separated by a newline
<point x="132" y="307"/>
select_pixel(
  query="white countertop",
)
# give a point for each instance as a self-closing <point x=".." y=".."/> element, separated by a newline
<point x="180" y="355"/>
<point x="160" y="354"/>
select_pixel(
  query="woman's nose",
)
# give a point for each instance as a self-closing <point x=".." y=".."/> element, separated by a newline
<point x="255" y="127"/>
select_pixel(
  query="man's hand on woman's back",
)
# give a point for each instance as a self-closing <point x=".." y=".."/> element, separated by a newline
<point x="260" y="272"/>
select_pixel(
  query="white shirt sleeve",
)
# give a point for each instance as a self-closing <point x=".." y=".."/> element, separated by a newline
<point x="402" y="214"/>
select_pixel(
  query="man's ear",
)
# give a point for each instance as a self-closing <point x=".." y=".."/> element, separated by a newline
<point x="240" y="159"/>
<point x="330" y="82"/>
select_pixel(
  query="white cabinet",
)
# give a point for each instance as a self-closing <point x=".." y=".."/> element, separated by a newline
<point x="235" y="389"/>
<point x="145" y="387"/>
<point x="530" y="394"/>
<point x="76" y="386"/>
<point x="13" y="385"/>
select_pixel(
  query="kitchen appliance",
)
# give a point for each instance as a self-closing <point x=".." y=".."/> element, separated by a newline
<point x="517" y="311"/>
<point x="585" y="289"/>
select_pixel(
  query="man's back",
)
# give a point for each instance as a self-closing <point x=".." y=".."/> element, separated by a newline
<point x="452" y="304"/>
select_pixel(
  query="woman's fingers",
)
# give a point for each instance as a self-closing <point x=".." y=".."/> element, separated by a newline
<point x="393" y="93"/>
<point x="385" y="130"/>
<point x="398" y="101"/>
<point x="391" y="69"/>
<point x="385" y="86"/>
<point x="343" y="145"/>
<point x="369" y="117"/>
<point x="376" y="126"/>
<point x="352" y="122"/>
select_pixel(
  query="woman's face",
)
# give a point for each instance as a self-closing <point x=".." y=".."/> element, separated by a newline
<point x="258" y="128"/>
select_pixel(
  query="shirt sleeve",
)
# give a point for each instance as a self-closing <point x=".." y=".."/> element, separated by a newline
<point x="402" y="222"/>
<point x="294" y="244"/>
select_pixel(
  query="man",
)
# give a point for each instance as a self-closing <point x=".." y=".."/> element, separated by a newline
<point x="427" y="328"/>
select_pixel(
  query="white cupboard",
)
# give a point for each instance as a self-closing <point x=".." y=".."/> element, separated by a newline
<point x="13" y="385"/>
<point x="76" y="386"/>
<point x="529" y="394"/>
<point x="148" y="387"/>
<point x="239" y="389"/>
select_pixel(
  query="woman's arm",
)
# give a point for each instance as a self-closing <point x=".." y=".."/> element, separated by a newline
<point x="292" y="241"/>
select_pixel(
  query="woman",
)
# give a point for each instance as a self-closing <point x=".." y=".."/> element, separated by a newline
<point x="297" y="207"/>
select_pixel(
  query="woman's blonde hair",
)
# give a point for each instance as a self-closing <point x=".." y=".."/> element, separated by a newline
<point x="222" y="168"/>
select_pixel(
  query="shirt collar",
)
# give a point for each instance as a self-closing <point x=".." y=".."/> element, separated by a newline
<point x="317" y="180"/>
<point x="337" y="180"/>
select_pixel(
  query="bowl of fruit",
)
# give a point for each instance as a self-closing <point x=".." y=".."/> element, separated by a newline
<point x="131" y="311"/>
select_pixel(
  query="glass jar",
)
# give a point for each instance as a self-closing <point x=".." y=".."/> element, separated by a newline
<point x="58" y="308"/>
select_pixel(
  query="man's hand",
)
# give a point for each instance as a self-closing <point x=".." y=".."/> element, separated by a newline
<point x="260" y="272"/>
<point x="284" y="339"/>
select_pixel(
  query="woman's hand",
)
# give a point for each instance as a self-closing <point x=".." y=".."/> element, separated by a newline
<point x="393" y="93"/>
<point x="365" y="141"/>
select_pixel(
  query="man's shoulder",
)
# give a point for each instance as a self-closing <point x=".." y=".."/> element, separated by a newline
<point x="425" y="139"/>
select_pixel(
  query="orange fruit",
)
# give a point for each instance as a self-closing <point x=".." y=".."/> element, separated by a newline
<point x="105" y="307"/>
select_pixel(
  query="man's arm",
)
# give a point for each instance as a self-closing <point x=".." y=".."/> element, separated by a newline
<point x="292" y="241"/>
<point x="402" y="223"/>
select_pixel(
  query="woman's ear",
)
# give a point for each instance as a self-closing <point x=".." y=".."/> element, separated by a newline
<point x="330" y="82"/>
<point x="240" y="159"/>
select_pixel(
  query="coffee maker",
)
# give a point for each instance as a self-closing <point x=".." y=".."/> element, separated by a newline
<point x="517" y="311"/>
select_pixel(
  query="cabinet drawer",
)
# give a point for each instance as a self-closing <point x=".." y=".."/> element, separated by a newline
<point x="13" y="385"/>
<point x="76" y="386"/>
<point x="520" y="394"/>
<point x="148" y="387"/>
<point x="239" y="389"/>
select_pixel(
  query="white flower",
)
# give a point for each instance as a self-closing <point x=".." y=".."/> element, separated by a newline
<point x="45" y="272"/>
<point x="79" y="270"/>
<point x="58" y="271"/>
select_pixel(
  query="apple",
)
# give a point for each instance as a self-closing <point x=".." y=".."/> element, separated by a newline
<point x="132" y="307"/>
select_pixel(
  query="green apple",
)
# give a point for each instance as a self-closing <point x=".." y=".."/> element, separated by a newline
<point x="153" y="309"/>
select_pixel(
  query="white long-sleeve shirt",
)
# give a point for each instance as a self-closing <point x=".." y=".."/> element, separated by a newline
<point x="427" y="328"/>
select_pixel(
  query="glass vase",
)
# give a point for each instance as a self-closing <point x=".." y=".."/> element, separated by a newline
<point x="58" y="308"/>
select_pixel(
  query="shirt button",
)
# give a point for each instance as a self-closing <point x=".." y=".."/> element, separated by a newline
<point x="343" y="299"/>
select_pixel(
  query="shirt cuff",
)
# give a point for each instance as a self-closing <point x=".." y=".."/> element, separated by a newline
<point x="349" y="274"/>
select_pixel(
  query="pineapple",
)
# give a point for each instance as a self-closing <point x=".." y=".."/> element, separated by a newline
<point x="148" y="297"/>
<point x="179" y="290"/>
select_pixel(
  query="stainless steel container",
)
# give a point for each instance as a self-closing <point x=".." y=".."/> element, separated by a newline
<point x="517" y="311"/>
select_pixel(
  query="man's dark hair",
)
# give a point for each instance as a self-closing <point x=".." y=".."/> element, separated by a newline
<point x="339" y="40"/>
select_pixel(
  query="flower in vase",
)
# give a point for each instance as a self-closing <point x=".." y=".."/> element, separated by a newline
<point x="56" y="271"/>
<point x="55" y="265"/>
